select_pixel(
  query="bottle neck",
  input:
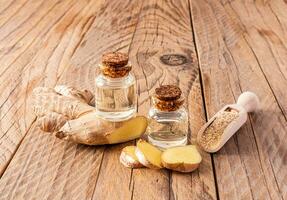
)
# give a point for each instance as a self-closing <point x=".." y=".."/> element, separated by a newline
<point x="165" y="111"/>
<point x="115" y="78"/>
<point x="115" y="82"/>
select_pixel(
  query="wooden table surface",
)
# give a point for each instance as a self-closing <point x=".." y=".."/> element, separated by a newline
<point x="212" y="49"/>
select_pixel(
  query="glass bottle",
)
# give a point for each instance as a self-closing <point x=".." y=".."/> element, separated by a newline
<point x="115" y="98"/>
<point x="168" y="121"/>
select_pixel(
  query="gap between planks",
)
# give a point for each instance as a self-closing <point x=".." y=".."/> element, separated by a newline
<point x="202" y="94"/>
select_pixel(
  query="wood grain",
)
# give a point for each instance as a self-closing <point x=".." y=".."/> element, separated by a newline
<point x="213" y="50"/>
<point x="163" y="49"/>
<point x="48" y="168"/>
<point x="114" y="179"/>
<point x="269" y="34"/>
<point x="248" y="163"/>
<point x="25" y="59"/>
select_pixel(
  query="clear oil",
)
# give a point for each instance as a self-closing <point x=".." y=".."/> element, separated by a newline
<point x="116" y="98"/>
<point x="167" y="129"/>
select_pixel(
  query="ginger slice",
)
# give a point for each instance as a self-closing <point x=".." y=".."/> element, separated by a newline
<point x="128" y="130"/>
<point x="128" y="157"/>
<point x="182" y="159"/>
<point x="148" y="155"/>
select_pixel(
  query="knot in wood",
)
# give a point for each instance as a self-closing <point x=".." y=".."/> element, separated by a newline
<point x="173" y="59"/>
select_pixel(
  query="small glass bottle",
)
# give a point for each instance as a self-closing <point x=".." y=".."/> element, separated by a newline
<point x="168" y="121"/>
<point x="115" y="98"/>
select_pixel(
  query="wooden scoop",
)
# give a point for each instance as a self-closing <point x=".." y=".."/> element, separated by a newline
<point x="247" y="102"/>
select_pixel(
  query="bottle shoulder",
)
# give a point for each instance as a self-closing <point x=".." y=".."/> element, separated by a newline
<point x="103" y="81"/>
<point x="180" y="114"/>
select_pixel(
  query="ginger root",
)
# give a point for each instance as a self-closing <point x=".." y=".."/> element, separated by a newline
<point x="46" y="100"/>
<point x="52" y="121"/>
<point x="65" y="111"/>
<point x="91" y="130"/>
<point x="85" y="96"/>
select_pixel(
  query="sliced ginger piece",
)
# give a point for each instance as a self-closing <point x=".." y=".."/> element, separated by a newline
<point x="182" y="159"/>
<point x="128" y="157"/>
<point x="148" y="155"/>
<point x="129" y="130"/>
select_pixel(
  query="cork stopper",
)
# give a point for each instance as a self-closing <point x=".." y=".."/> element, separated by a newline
<point x="168" y="92"/>
<point x="168" y="98"/>
<point x="115" y="59"/>
<point x="115" y="64"/>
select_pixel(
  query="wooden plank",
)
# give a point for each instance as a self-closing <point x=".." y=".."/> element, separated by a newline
<point x="264" y="30"/>
<point x="164" y="30"/>
<point x="45" y="167"/>
<point x="24" y="57"/>
<point x="23" y="64"/>
<point x="269" y="34"/>
<point x="114" y="179"/>
<point x="278" y="9"/>
<point x="42" y="162"/>
<point x="252" y="165"/>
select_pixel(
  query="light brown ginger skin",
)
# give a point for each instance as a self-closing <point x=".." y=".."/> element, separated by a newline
<point x="48" y="100"/>
<point x="180" y="167"/>
<point x="128" y="157"/>
<point x="93" y="130"/>
<point x="54" y="109"/>
<point x="85" y="96"/>
<point x="51" y="122"/>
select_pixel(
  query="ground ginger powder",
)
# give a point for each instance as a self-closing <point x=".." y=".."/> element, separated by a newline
<point x="212" y="134"/>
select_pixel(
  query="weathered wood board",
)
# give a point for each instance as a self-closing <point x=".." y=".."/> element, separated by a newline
<point x="229" y="62"/>
<point x="213" y="50"/>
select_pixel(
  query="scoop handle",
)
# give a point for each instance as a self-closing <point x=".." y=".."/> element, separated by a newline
<point x="249" y="101"/>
